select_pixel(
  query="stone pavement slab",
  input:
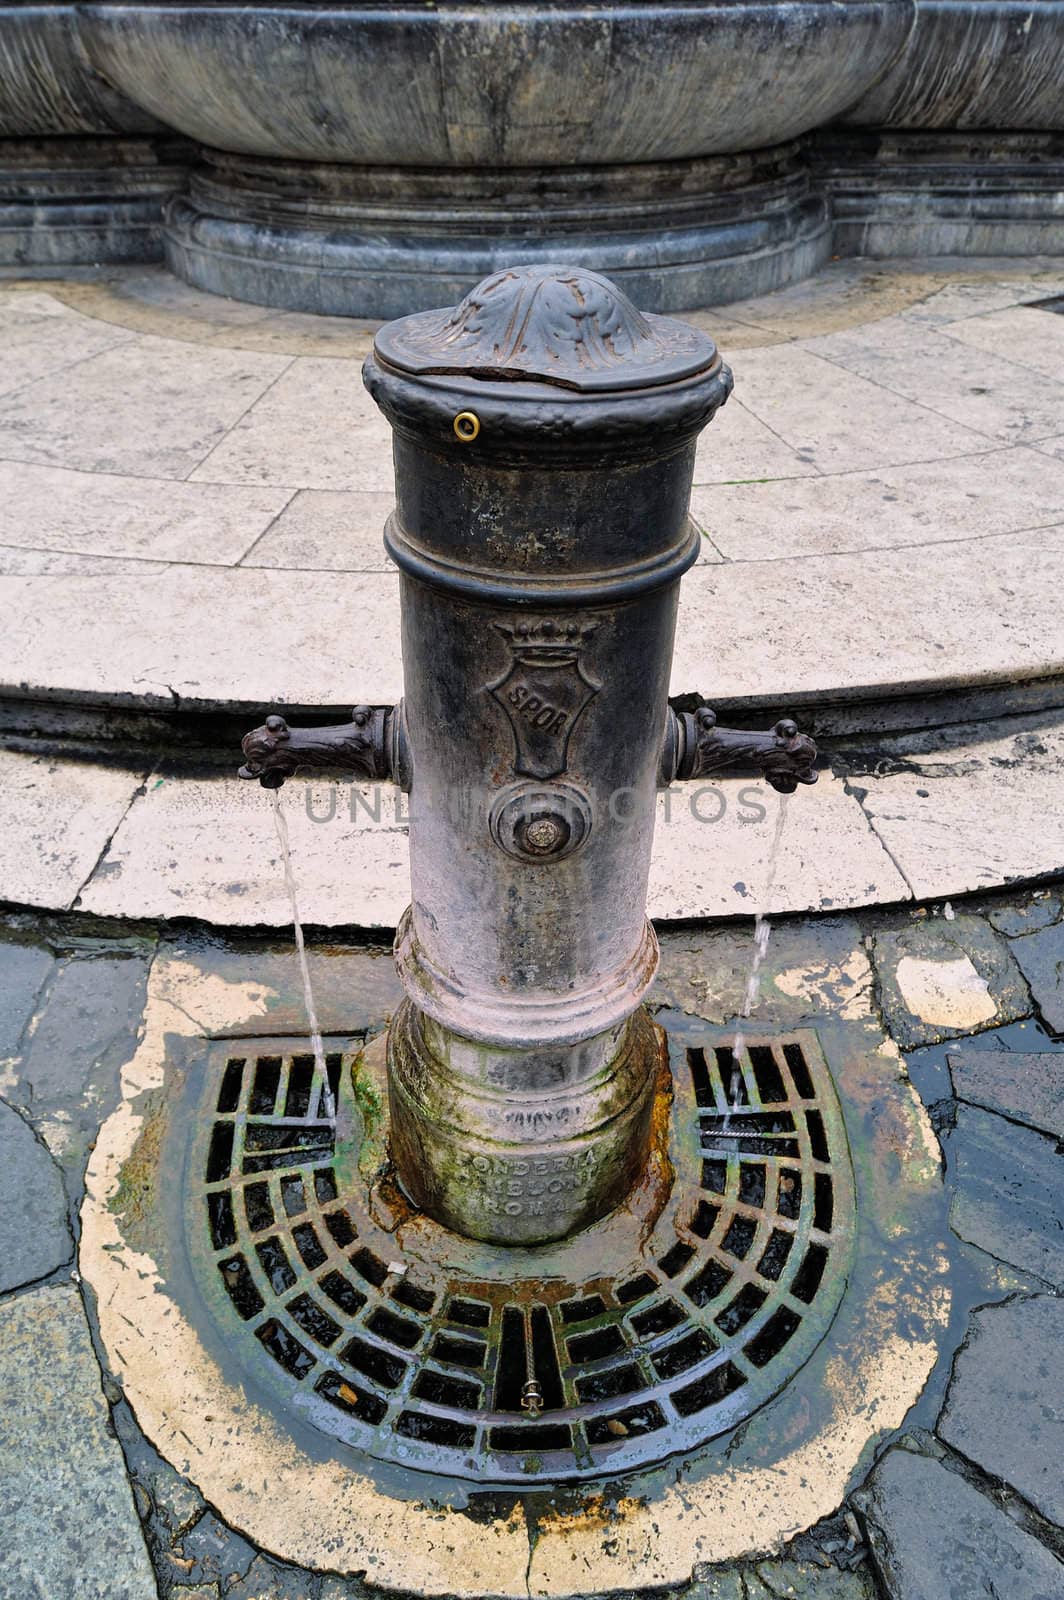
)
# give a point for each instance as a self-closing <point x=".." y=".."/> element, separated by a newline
<point x="1027" y="335"/>
<point x="57" y="819"/>
<point x="800" y="1580"/>
<point x="959" y="301"/>
<point x="941" y="977"/>
<point x="35" y="1239"/>
<point x="739" y="447"/>
<point x="182" y="845"/>
<point x="328" y="530"/>
<point x="711" y="852"/>
<point x="1005" y="1405"/>
<point x="70" y="1528"/>
<point x="245" y="637"/>
<point x="315" y="428"/>
<point x="935" y="1537"/>
<point x="945" y="378"/>
<point x="67" y="1076"/>
<point x="149" y="407"/>
<point x="1040" y="911"/>
<point x="18" y="563"/>
<point x="1041" y="959"/>
<point x="872" y="624"/>
<point x="973" y="807"/>
<point x="1003" y="491"/>
<point x="208" y="849"/>
<point x="1025" y="1088"/>
<point x="107" y="514"/>
<point x="216" y="637"/>
<point x="838" y="419"/>
<point x="24" y="969"/>
<point x="39" y="336"/>
<point x="1008" y="1191"/>
<point x="888" y="551"/>
<point x="1052" y="447"/>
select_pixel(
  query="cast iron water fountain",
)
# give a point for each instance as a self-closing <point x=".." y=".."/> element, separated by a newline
<point x="656" y="1249"/>
<point x="533" y="1279"/>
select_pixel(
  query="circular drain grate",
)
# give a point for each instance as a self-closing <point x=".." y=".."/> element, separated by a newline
<point x="513" y="1367"/>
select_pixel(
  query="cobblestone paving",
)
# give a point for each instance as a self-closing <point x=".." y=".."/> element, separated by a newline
<point x="966" y="1501"/>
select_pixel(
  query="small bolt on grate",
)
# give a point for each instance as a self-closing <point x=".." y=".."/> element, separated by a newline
<point x="676" y="1336"/>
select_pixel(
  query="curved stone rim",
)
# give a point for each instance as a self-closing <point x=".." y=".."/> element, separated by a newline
<point x="374" y="273"/>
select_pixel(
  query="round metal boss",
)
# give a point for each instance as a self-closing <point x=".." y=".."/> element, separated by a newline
<point x="540" y="821"/>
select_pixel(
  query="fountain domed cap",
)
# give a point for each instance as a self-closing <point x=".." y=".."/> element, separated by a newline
<point x="546" y="364"/>
<point x="558" y="325"/>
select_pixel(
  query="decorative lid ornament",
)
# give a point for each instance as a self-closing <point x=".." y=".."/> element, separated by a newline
<point x="559" y="325"/>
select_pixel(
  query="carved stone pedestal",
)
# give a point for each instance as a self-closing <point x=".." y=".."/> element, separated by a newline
<point x="381" y="241"/>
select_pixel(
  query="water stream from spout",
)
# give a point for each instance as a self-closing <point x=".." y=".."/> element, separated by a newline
<point x="280" y="822"/>
<point x="762" y="930"/>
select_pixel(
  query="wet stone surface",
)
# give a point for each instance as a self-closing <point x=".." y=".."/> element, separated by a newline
<point x="24" y="970"/>
<point x="1008" y="1191"/>
<point x="795" y="1580"/>
<point x="35" y="1239"/>
<point x="1041" y="959"/>
<point x="267" y="1580"/>
<point x="1040" y="911"/>
<point x="1005" y="1406"/>
<point x="940" y="978"/>
<point x="82" y="1028"/>
<point x="929" y="1065"/>
<point x="1024" y="1087"/>
<point x="971" y="1516"/>
<point x="936" y="1537"/>
<point x="208" y="1552"/>
<point x="801" y="1580"/>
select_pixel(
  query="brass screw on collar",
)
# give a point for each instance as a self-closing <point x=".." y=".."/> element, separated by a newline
<point x="466" y="426"/>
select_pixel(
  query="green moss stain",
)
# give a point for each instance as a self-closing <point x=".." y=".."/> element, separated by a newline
<point x="134" y="1198"/>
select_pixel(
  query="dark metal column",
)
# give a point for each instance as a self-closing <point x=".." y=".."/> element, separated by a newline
<point x="544" y="444"/>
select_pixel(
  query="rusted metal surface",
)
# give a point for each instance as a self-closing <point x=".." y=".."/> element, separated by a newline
<point x="644" y="1337"/>
<point x="538" y="1160"/>
<point x="366" y="747"/>
<point x="698" y="745"/>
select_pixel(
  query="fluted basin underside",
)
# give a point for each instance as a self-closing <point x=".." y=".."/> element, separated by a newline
<point x="496" y="85"/>
<point x="374" y="162"/>
<point x="84" y="171"/>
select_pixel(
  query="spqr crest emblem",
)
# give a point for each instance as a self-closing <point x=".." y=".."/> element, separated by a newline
<point x="544" y="691"/>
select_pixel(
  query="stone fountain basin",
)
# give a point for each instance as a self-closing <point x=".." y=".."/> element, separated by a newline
<point x="47" y="84"/>
<point x="974" y="64"/>
<point x="492" y="84"/>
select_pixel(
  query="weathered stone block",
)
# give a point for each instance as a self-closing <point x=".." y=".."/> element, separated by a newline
<point x="1008" y="1191"/>
<point x="1005" y="1405"/>
<point x="34" y="1236"/>
<point x="1027" y="1088"/>
<point x="940" y="978"/>
<point x="934" y="1537"/>
<point x="66" y="1507"/>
